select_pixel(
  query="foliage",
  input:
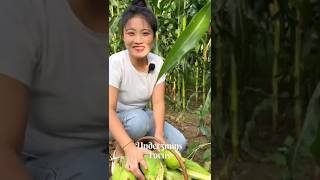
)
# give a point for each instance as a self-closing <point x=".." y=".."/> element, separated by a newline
<point x="184" y="81"/>
<point x="267" y="67"/>
<point x="188" y="39"/>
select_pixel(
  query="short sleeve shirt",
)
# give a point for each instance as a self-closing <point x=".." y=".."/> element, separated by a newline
<point x="63" y="63"/>
<point x="135" y="88"/>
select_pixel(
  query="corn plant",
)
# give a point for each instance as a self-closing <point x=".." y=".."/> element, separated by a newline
<point x="267" y="61"/>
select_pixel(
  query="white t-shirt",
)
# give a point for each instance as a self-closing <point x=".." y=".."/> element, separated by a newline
<point x="135" y="88"/>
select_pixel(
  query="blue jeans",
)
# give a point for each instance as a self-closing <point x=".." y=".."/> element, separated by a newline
<point x="139" y="123"/>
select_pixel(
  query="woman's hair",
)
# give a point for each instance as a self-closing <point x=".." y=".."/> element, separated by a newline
<point x="139" y="7"/>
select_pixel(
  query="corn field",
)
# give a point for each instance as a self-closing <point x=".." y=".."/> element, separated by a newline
<point x="184" y="40"/>
<point x="190" y="80"/>
<point x="266" y="89"/>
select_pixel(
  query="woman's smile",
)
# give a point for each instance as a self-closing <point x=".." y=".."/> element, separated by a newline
<point x="139" y="49"/>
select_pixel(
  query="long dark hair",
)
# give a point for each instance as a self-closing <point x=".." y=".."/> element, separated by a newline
<point x="139" y="7"/>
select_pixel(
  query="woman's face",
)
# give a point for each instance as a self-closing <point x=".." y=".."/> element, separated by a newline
<point x="138" y="37"/>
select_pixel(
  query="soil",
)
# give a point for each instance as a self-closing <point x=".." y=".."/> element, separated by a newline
<point x="260" y="165"/>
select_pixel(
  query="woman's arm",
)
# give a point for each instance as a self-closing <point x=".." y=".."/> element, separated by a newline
<point x="115" y="126"/>
<point x="13" y="112"/>
<point x="158" y="105"/>
<point x="134" y="154"/>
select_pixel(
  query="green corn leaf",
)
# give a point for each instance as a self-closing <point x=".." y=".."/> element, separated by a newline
<point x="197" y="27"/>
<point x="198" y="175"/>
<point x="195" y="167"/>
<point x="173" y="175"/>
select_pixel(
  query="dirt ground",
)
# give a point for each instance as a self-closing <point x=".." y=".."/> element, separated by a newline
<point x="260" y="166"/>
<point x="246" y="168"/>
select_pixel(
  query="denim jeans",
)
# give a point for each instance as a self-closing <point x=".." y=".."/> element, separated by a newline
<point x="139" y="123"/>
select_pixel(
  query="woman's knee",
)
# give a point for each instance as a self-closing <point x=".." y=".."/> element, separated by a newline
<point x="174" y="136"/>
<point x="137" y="123"/>
<point x="183" y="142"/>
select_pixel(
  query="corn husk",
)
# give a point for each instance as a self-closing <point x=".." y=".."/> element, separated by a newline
<point x="120" y="173"/>
<point x="173" y="175"/>
<point x="195" y="171"/>
<point x="170" y="160"/>
<point x="155" y="169"/>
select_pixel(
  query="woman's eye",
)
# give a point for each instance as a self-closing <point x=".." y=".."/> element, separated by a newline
<point x="146" y="33"/>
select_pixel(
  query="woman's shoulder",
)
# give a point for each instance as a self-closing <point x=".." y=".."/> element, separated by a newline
<point x="155" y="58"/>
<point x="118" y="56"/>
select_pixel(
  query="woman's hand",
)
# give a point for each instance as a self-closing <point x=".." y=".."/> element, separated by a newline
<point x="161" y="139"/>
<point x="134" y="158"/>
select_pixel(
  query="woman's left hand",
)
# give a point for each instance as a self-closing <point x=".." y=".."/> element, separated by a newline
<point x="161" y="139"/>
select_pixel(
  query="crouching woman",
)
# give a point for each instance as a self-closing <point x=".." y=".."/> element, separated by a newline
<point x="133" y="82"/>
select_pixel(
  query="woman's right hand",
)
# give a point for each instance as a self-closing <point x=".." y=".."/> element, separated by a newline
<point x="134" y="158"/>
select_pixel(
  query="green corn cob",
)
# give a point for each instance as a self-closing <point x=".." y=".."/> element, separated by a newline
<point x="195" y="171"/>
<point x="170" y="160"/>
<point x="120" y="173"/>
<point x="160" y="175"/>
<point x="155" y="169"/>
<point x="117" y="171"/>
<point x="126" y="175"/>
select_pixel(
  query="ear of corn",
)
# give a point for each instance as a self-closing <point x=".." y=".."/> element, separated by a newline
<point x="161" y="172"/>
<point x="170" y="160"/>
<point x="126" y="175"/>
<point x="158" y="171"/>
<point x="155" y="169"/>
<point x="117" y="171"/>
<point x="120" y="173"/>
<point x="195" y="171"/>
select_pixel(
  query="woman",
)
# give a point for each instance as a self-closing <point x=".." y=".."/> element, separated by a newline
<point x="132" y="82"/>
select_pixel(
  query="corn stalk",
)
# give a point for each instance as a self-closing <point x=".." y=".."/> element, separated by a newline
<point x="234" y="108"/>
<point x="219" y="89"/>
<point x="275" y="68"/>
<point x="296" y="74"/>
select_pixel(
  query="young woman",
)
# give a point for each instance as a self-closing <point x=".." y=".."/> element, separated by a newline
<point x="132" y="83"/>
